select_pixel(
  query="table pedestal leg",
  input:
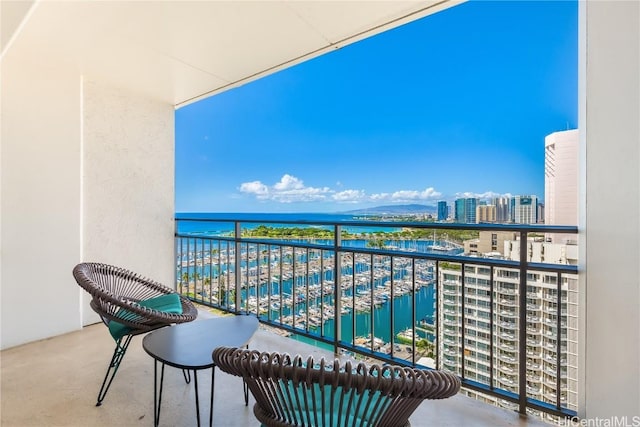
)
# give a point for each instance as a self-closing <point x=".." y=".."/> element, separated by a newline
<point x="157" y="397"/>
<point x="213" y="379"/>
<point x="195" y="378"/>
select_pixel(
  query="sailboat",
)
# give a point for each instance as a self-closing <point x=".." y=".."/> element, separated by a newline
<point x="435" y="247"/>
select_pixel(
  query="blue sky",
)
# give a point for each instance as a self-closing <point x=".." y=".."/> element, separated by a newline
<point x="456" y="103"/>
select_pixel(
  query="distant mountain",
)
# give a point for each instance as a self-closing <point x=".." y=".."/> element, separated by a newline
<point x="394" y="210"/>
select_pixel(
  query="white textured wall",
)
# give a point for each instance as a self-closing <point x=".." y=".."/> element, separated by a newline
<point x="610" y="217"/>
<point x="40" y="201"/>
<point x="87" y="174"/>
<point x="128" y="181"/>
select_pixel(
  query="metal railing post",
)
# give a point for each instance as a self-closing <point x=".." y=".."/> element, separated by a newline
<point x="337" y="290"/>
<point x="522" y="329"/>
<point x="238" y="265"/>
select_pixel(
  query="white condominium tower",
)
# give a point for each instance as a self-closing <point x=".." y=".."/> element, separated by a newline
<point x="479" y="305"/>
<point x="524" y="209"/>
<point x="561" y="181"/>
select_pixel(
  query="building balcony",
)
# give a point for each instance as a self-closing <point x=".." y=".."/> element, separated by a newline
<point x="534" y="391"/>
<point x="507" y="359"/>
<point x="508" y="313"/>
<point x="450" y="364"/>
<point x="508" y="382"/>
<point x="533" y="378"/>
<point x="550" y="309"/>
<point x="450" y="302"/>
<point x="507" y="336"/>
<point x="452" y="352"/>
<point x="450" y="332"/>
<point x="507" y="369"/>
<point x="508" y="325"/>
<point x="149" y="70"/>
<point x="508" y="303"/>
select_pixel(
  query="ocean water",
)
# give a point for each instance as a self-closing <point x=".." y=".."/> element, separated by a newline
<point x="214" y="223"/>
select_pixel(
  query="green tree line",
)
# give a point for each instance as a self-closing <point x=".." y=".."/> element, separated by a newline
<point x="376" y="237"/>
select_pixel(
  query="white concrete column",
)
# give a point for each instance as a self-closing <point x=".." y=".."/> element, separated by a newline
<point x="610" y="209"/>
<point x="127" y="182"/>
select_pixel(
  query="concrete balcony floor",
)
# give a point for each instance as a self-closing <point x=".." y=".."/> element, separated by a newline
<point x="54" y="382"/>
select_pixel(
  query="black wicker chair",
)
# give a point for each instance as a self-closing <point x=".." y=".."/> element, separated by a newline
<point x="298" y="392"/>
<point x="129" y="305"/>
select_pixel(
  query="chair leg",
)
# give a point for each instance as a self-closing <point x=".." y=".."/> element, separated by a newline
<point x="121" y="348"/>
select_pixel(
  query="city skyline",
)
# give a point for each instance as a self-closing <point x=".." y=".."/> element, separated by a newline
<point x="446" y="107"/>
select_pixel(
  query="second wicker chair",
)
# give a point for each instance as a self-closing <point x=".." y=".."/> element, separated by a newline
<point x="292" y="391"/>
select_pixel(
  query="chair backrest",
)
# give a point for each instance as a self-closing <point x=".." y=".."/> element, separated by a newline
<point x="295" y="391"/>
<point x="117" y="294"/>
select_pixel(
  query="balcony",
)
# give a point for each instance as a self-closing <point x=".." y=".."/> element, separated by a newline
<point x="86" y="220"/>
<point x="55" y="382"/>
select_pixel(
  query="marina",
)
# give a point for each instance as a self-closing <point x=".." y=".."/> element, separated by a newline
<point x="375" y="295"/>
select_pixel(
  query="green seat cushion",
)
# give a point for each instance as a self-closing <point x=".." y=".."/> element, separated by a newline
<point x="295" y="399"/>
<point x="169" y="303"/>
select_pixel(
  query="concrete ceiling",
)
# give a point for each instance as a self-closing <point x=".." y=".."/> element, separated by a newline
<point x="182" y="51"/>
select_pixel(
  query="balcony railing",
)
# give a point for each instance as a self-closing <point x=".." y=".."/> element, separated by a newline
<point x="384" y="300"/>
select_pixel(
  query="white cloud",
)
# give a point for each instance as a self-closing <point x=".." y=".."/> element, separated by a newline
<point x="485" y="195"/>
<point x="257" y="188"/>
<point x="408" y="195"/>
<point x="349" y="196"/>
<point x="288" y="189"/>
<point x="291" y="189"/>
<point x="379" y="197"/>
<point x="288" y="182"/>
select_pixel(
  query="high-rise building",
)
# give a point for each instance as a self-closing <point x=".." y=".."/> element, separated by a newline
<point x="443" y="211"/>
<point x="458" y="210"/>
<point x="488" y="243"/>
<point x="524" y="209"/>
<point x="541" y="319"/>
<point x="502" y="205"/>
<point x="485" y="213"/>
<point x="483" y="357"/>
<point x="561" y="181"/>
<point x="540" y="213"/>
<point x="465" y="210"/>
<point x="470" y="209"/>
